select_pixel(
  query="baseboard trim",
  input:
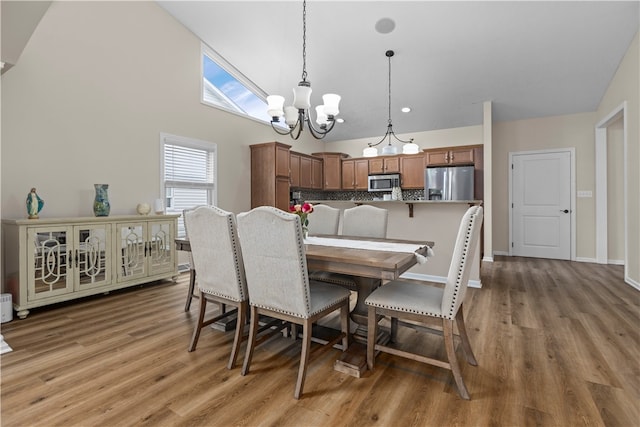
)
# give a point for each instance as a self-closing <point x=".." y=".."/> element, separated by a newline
<point x="487" y="259"/>
<point x="583" y="259"/>
<point x="632" y="283"/>
<point x="615" y="261"/>
<point x="437" y="279"/>
<point x="500" y="253"/>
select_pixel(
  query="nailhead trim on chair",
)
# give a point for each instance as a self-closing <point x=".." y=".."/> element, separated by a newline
<point x="319" y="310"/>
<point x="463" y="261"/>
<point x="218" y="294"/>
<point x="237" y="255"/>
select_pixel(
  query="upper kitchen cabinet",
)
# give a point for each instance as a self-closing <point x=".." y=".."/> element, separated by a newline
<point x="462" y="155"/>
<point x="294" y="163"/>
<point x="306" y="171"/>
<point x="384" y="164"/>
<point x="451" y="156"/>
<point x="316" y="174"/>
<point x="355" y="174"/>
<point x="270" y="175"/>
<point x="310" y="172"/>
<point x="412" y="171"/>
<point x="332" y="169"/>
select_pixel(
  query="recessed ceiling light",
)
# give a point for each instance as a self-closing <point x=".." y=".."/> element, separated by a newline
<point x="385" y="25"/>
<point x="340" y="120"/>
<point x="405" y="109"/>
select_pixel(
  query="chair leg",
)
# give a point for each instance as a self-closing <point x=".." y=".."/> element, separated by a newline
<point x="466" y="345"/>
<point x="253" y="329"/>
<point x="198" y="327"/>
<point x="237" y="339"/>
<point x="304" y="357"/>
<point x="192" y="285"/>
<point x="344" y="323"/>
<point x="447" y="328"/>
<point x="394" y="329"/>
<point x="372" y="333"/>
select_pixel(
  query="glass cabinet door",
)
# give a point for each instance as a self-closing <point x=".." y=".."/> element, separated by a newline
<point x="131" y="251"/>
<point x="92" y="255"/>
<point x="161" y="240"/>
<point x="49" y="270"/>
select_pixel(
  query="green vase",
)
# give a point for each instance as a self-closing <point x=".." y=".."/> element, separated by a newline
<point x="101" y="206"/>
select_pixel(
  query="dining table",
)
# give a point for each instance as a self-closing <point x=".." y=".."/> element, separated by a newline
<point x="370" y="262"/>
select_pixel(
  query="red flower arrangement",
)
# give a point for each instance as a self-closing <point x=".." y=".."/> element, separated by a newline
<point x="302" y="210"/>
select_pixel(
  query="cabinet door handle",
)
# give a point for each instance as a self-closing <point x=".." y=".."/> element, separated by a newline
<point x="77" y="258"/>
<point x="70" y="259"/>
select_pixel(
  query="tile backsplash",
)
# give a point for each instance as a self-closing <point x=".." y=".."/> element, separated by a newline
<point x="356" y="195"/>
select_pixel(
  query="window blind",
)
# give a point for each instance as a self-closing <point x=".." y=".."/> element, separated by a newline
<point x="189" y="177"/>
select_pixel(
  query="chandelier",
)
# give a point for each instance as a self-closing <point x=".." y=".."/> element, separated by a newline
<point x="409" y="146"/>
<point x="296" y="115"/>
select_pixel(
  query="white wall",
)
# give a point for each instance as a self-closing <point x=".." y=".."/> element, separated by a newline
<point x="625" y="86"/>
<point x="86" y="102"/>
<point x="574" y="130"/>
<point x="615" y="192"/>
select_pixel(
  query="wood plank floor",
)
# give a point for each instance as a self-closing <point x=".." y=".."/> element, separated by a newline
<point x="557" y="343"/>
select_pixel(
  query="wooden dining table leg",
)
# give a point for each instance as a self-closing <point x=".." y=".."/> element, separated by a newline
<point x="354" y="360"/>
<point x="359" y="314"/>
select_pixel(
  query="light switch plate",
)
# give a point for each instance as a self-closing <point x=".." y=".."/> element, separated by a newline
<point x="585" y="193"/>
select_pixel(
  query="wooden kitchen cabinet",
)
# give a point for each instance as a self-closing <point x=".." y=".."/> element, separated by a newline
<point x="332" y="169"/>
<point x="462" y="155"/>
<point x="270" y="175"/>
<point x="355" y="174"/>
<point x="316" y="174"/>
<point x="412" y="171"/>
<point x="384" y="164"/>
<point x="450" y="156"/>
<point x="306" y="171"/>
<point x="294" y="163"/>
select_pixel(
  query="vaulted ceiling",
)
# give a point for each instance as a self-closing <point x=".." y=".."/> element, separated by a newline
<point x="531" y="59"/>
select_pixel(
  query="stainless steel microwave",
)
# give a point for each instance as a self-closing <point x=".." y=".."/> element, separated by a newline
<point x="384" y="182"/>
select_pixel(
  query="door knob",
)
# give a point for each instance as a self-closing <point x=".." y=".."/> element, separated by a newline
<point x="565" y="211"/>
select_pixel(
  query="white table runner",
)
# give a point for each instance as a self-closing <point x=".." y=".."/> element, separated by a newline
<point x="372" y="246"/>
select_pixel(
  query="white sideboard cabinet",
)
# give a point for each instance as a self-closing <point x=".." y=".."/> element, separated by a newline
<point x="46" y="261"/>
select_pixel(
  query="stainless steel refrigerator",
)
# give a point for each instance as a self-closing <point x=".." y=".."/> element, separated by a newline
<point x="448" y="183"/>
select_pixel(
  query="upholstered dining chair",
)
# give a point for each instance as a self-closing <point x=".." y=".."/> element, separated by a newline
<point x="324" y="220"/>
<point x="217" y="258"/>
<point x="365" y="221"/>
<point x="276" y="271"/>
<point x="419" y="302"/>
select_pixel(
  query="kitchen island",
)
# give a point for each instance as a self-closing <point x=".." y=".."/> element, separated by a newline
<point x="428" y="220"/>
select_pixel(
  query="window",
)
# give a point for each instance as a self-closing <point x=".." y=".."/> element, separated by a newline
<point x="188" y="174"/>
<point x="225" y="87"/>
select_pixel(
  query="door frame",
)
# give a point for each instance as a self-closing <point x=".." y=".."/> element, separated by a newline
<point x="601" y="185"/>
<point x="572" y="191"/>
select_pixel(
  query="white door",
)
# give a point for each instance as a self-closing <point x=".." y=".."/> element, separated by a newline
<point x="541" y="205"/>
